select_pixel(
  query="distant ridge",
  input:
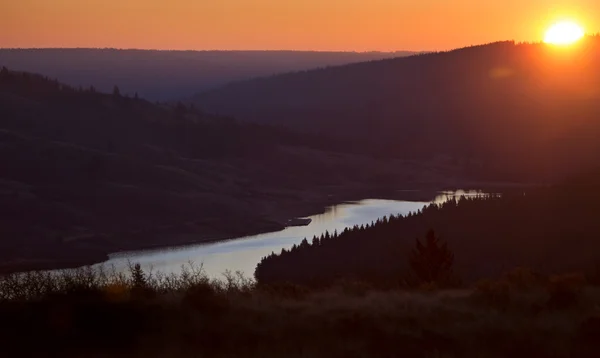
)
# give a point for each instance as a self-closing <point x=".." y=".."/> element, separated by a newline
<point x="169" y="75"/>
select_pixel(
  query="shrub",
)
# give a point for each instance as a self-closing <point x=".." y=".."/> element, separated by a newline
<point x="203" y="297"/>
<point x="593" y="276"/>
<point x="566" y="290"/>
<point x="428" y="287"/>
<point x="285" y="290"/>
<point x="354" y="288"/>
<point x="524" y="279"/>
<point x="495" y="293"/>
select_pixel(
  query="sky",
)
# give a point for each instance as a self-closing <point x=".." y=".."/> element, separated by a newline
<point x="321" y="25"/>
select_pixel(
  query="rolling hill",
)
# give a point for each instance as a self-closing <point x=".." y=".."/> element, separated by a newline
<point x="521" y="111"/>
<point x="86" y="173"/>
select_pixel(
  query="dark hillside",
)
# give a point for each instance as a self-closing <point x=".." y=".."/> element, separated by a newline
<point x="523" y="111"/>
<point x="550" y="230"/>
<point x="86" y="173"/>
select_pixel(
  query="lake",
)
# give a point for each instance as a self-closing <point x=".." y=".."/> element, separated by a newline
<point x="243" y="253"/>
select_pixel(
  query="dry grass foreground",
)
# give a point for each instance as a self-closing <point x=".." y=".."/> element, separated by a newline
<point x="97" y="314"/>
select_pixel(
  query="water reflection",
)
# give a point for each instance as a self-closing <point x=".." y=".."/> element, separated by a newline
<point x="244" y="253"/>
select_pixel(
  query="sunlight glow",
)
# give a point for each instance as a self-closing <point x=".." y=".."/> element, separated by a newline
<point x="564" y="33"/>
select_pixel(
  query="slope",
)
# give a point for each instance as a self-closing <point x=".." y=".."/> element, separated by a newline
<point x="85" y="174"/>
<point x="522" y="111"/>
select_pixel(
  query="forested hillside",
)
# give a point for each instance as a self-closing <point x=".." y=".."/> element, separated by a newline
<point x="86" y="173"/>
<point x="549" y="230"/>
<point x="523" y="111"/>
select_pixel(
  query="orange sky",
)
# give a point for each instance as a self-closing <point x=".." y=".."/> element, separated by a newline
<point x="357" y="25"/>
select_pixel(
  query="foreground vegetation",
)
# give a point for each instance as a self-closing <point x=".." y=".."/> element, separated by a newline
<point x="99" y="314"/>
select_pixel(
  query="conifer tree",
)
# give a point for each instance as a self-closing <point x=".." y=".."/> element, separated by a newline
<point x="431" y="261"/>
<point x="138" y="277"/>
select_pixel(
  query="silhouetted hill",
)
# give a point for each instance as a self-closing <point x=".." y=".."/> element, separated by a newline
<point x="550" y="230"/>
<point x="169" y="75"/>
<point x="86" y="173"/>
<point x="523" y="111"/>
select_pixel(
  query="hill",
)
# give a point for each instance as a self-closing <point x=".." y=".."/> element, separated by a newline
<point x="169" y="75"/>
<point x="518" y="111"/>
<point x="86" y="173"/>
<point x="550" y="230"/>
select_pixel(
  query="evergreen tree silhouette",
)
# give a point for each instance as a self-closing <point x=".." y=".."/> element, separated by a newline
<point x="432" y="260"/>
<point x="116" y="92"/>
<point x="138" y="277"/>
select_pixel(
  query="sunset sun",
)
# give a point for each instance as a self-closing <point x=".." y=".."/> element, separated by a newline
<point x="564" y="33"/>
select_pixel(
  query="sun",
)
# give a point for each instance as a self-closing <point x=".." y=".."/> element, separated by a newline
<point x="564" y="33"/>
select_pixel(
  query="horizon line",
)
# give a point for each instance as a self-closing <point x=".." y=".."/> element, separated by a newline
<point x="206" y="50"/>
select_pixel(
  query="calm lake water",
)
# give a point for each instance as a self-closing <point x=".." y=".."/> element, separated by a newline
<point x="242" y="254"/>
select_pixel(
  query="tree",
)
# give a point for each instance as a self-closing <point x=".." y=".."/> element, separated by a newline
<point x="138" y="277"/>
<point x="304" y="244"/>
<point x="431" y="262"/>
<point x="316" y="241"/>
<point x="116" y="92"/>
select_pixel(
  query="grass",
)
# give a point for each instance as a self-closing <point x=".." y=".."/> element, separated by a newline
<point x="106" y="314"/>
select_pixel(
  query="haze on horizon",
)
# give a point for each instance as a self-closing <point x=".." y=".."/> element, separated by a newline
<point x="322" y="25"/>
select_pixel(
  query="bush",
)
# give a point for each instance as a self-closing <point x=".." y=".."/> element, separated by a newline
<point x="428" y="287"/>
<point x="203" y="297"/>
<point x="524" y="279"/>
<point x="285" y="290"/>
<point x="566" y="290"/>
<point x="355" y="288"/>
<point x="495" y="293"/>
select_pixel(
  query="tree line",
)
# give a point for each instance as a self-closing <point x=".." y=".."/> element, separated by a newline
<point x="551" y="230"/>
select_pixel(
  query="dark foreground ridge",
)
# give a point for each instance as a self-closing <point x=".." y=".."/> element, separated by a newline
<point x="92" y="314"/>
